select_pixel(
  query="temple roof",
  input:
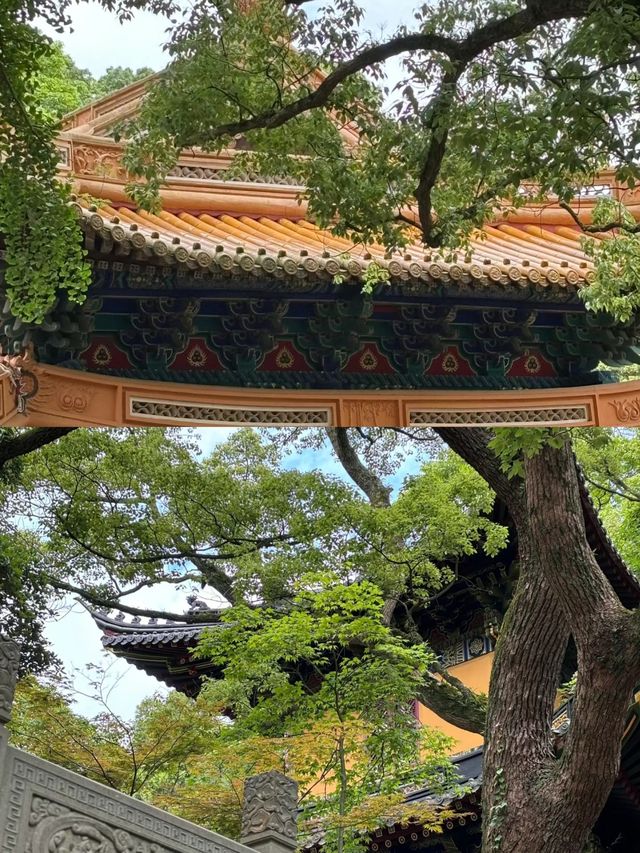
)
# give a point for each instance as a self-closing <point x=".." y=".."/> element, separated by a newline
<point x="245" y="222"/>
<point x="161" y="648"/>
<point x="285" y="246"/>
<point x="232" y="292"/>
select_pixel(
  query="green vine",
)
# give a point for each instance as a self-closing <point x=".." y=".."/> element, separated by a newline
<point x="498" y="811"/>
<point x="43" y="251"/>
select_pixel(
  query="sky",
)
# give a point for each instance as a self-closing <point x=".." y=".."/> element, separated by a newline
<point x="96" y="42"/>
<point x="76" y="639"/>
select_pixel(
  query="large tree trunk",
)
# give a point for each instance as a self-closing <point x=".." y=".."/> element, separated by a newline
<point x="518" y="737"/>
<point x="534" y="797"/>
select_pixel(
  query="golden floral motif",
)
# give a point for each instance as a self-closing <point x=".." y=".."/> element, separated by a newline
<point x="532" y="364"/>
<point x="102" y="356"/>
<point x="450" y="363"/>
<point x="197" y="357"/>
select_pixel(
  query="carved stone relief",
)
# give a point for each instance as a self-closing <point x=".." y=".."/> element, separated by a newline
<point x="471" y="417"/>
<point x="270" y="805"/>
<point x="73" y="398"/>
<point x="93" y="160"/>
<point x="30" y="817"/>
<point x="227" y="415"/>
<point x="627" y="410"/>
<point x="9" y="660"/>
<point x="76" y="833"/>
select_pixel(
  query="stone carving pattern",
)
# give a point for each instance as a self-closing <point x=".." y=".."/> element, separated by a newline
<point x="42" y="809"/>
<point x="69" y="832"/>
<point x="217" y="414"/>
<point x="98" y="161"/>
<point x="205" y="173"/>
<point x="9" y="660"/>
<point x="270" y="804"/>
<point x="73" y="398"/>
<point x="89" y="800"/>
<point x="453" y="417"/>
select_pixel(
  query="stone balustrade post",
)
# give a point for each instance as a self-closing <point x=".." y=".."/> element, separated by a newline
<point x="269" y="814"/>
<point x="9" y="660"/>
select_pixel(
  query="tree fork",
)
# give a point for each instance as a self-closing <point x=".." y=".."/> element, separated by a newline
<point x="532" y="798"/>
<point x="572" y="789"/>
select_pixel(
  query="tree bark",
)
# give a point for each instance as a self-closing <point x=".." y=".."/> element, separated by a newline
<point x="535" y="799"/>
<point x="537" y="796"/>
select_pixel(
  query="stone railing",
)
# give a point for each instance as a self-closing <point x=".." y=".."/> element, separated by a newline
<point x="47" y="809"/>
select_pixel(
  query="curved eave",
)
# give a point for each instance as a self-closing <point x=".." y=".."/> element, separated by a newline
<point x="282" y="246"/>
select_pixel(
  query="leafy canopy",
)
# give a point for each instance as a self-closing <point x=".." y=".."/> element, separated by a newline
<point x="44" y="255"/>
<point x="114" y="511"/>
<point x="325" y="664"/>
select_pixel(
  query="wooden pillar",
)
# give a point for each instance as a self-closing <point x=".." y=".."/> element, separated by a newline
<point x="269" y="814"/>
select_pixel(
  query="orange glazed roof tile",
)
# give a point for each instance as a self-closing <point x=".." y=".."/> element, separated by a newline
<point x="525" y="254"/>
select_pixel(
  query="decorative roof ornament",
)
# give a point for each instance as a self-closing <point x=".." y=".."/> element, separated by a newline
<point x="196" y="605"/>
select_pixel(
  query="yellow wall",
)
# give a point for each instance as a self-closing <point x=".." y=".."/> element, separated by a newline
<point x="475" y="674"/>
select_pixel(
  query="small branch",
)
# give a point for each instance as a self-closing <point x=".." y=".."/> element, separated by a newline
<point x="600" y="229"/>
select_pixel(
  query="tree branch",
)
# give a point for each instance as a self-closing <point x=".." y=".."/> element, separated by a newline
<point x="366" y="479"/>
<point x="472" y="444"/>
<point x="21" y="443"/>
<point x="452" y="700"/>
<point x="113" y="603"/>
<point x="628" y="228"/>
<point x="462" y="51"/>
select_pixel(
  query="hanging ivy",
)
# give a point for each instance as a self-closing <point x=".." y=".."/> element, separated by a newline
<point x="43" y="251"/>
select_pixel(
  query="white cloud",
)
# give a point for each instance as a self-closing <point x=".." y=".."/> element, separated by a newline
<point x="99" y="41"/>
